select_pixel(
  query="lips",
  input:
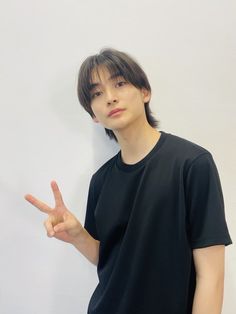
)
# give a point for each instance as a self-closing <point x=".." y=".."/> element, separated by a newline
<point x="114" y="111"/>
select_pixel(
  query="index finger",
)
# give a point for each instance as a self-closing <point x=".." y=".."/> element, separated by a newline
<point x="39" y="204"/>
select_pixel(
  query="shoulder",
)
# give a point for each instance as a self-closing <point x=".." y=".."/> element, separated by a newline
<point x="184" y="145"/>
<point x="100" y="174"/>
<point x="183" y="150"/>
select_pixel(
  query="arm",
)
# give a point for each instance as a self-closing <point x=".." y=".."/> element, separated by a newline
<point x="209" y="265"/>
<point x="88" y="246"/>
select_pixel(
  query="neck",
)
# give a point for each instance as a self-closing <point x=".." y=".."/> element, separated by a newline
<point x="136" y="144"/>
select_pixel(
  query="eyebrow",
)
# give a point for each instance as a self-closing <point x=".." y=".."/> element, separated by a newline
<point x="93" y="85"/>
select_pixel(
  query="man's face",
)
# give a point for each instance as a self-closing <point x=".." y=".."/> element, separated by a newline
<point x="111" y="93"/>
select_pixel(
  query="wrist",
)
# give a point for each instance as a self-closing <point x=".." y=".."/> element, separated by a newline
<point x="80" y="237"/>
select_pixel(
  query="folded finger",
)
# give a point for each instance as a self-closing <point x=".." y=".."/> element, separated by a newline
<point x="49" y="228"/>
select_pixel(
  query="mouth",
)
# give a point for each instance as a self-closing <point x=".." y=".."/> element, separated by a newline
<point x="115" y="111"/>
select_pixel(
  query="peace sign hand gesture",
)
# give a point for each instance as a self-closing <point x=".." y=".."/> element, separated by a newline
<point x="61" y="223"/>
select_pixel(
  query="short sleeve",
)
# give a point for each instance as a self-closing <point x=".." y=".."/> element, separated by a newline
<point x="90" y="224"/>
<point x="206" y="221"/>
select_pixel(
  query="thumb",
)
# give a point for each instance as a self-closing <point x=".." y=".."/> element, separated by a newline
<point x="64" y="225"/>
<point x="60" y="227"/>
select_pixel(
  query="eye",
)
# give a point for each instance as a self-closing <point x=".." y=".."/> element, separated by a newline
<point x="121" y="83"/>
<point x="96" y="94"/>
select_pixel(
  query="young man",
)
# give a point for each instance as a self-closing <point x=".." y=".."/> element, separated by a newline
<point x="155" y="223"/>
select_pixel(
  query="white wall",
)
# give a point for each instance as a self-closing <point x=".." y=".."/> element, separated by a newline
<point x="188" y="50"/>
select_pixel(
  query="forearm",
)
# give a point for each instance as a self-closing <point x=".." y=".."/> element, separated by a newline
<point x="88" y="246"/>
<point x="208" y="296"/>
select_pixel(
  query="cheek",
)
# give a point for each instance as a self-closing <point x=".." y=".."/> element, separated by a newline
<point x="95" y="111"/>
<point x="99" y="113"/>
<point x="128" y="96"/>
<point x="135" y="100"/>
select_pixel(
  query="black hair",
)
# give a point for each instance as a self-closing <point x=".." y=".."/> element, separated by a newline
<point x="116" y="62"/>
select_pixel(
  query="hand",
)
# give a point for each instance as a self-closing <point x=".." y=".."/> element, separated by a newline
<point x="61" y="223"/>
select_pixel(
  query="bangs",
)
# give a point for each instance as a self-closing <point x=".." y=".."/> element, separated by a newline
<point x="97" y="64"/>
<point x="112" y="69"/>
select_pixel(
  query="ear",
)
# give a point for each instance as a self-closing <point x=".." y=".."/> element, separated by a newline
<point x="146" y="94"/>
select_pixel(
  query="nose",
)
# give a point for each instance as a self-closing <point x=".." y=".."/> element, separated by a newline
<point x="111" y="101"/>
<point x="111" y="98"/>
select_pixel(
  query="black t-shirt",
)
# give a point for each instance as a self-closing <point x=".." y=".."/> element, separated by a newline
<point x="148" y="217"/>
